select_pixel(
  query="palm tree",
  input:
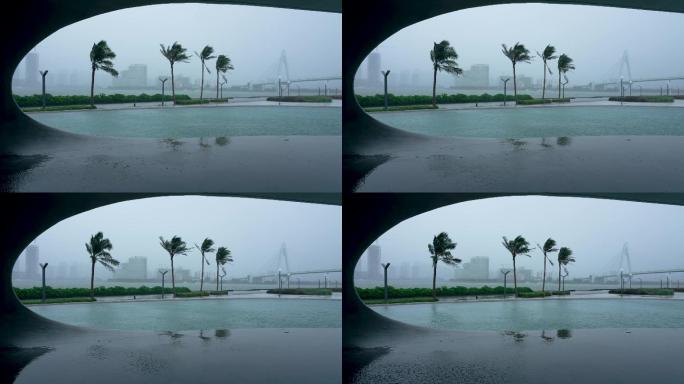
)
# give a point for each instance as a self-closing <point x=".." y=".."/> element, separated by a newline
<point x="517" y="246"/>
<point x="516" y="54"/>
<point x="440" y="250"/>
<point x="100" y="58"/>
<point x="175" y="246"/>
<point x="443" y="57"/>
<point x="222" y="66"/>
<point x="174" y="54"/>
<point x="205" y="55"/>
<point x="98" y="249"/>
<point x="549" y="247"/>
<point x="564" y="65"/>
<point x="564" y="257"/>
<point x="547" y="55"/>
<point x="222" y="257"/>
<point x="206" y="247"/>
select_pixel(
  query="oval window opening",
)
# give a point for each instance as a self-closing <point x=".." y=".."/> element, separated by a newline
<point x="608" y="266"/>
<point x="590" y="81"/>
<point x="232" y="75"/>
<point x="261" y="268"/>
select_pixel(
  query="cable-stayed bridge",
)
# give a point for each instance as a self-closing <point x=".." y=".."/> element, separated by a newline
<point x="624" y="268"/>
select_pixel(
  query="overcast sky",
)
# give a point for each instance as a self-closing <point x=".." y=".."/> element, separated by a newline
<point x="253" y="37"/>
<point x="595" y="37"/>
<point x="253" y="230"/>
<point x="594" y="229"/>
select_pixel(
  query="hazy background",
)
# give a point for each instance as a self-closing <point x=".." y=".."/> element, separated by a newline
<point x="252" y="229"/>
<point x="594" y="229"/>
<point x="595" y="37"/>
<point x="253" y="37"/>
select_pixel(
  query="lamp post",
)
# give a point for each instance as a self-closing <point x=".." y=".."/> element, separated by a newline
<point x="622" y="282"/>
<point x="43" y="266"/>
<point x="630" y="87"/>
<point x="505" y="273"/>
<point x="163" y="82"/>
<point x="43" y="74"/>
<point x="163" y="273"/>
<point x="288" y="281"/>
<point x="385" y="267"/>
<point x="505" y="81"/>
<point x="280" y="282"/>
<point x="326" y="281"/>
<point x="622" y="90"/>
<point x="385" y="74"/>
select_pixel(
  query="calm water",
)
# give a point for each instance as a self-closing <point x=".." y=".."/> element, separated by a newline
<point x="527" y="315"/>
<point x="180" y="315"/>
<point x="199" y="122"/>
<point x="541" y="122"/>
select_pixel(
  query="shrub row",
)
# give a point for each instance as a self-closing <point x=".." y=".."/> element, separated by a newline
<point x="37" y="100"/>
<point x="379" y="292"/>
<point x="301" y="99"/>
<point x="59" y="108"/>
<point x="301" y="291"/>
<point x="402" y="300"/>
<point x="191" y="293"/>
<point x="542" y="101"/>
<point x="643" y="99"/>
<point x="400" y="108"/>
<point x="643" y="291"/>
<point x="35" y="292"/>
<point x="60" y="301"/>
<point x="527" y="295"/>
<point x="379" y="100"/>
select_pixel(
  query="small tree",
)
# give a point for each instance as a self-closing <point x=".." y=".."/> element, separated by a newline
<point x="174" y="54"/>
<point x="443" y="57"/>
<point x="222" y="257"/>
<point x="206" y="247"/>
<point x="100" y="58"/>
<point x="516" y="54"/>
<point x="175" y="246"/>
<point x="564" y="258"/>
<point x="223" y="65"/>
<point x="440" y="249"/>
<point x="98" y="249"/>
<point x="517" y="246"/>
<point x="549" y="247"/>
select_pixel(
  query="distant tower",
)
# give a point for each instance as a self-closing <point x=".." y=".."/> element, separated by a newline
<point x="624" y="62"/>
<point x="374" y="262"/>
<point x="282" y="259"/>
<point x="374" y="64"/>
<point x="282" y="66"/>
<point x="31" y="74"/>
<point x="31" y="266"/>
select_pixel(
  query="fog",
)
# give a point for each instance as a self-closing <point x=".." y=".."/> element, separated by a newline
<point x="253" y="37"/>
<point x="252" y="229"/>
<point x="595" y="37"/>
<point x="594" y="229"/>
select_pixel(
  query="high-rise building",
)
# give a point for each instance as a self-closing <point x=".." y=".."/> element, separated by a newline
<point x="475" y="77"/>
<point x="183" y="274"/>
<point x="134" y="269"/>
<point x="31" y="267"/>
<point x="31" y="73"/>
<point x="374" y="262"/>
<point x="476" y="268"/>
<point x="133" y="77"/>
<point x="374" y="63"/>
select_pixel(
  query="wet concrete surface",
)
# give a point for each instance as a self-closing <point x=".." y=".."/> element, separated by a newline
<point x="208" y="356"/>
<point x="73" y="163"/>
<point x="552" y="356"/>
<point x="554" y="164"/>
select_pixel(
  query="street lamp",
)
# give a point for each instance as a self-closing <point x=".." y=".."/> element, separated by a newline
<point x="43" y="74"/>
<point x="505" y="273"/>
<point x="326" y="281"/>
<point x="505" y="81"/>
<point x="385" y="266"/>
<point x="163" y="82"/>
<point x="43" y="266"/>
<point x="385" y="74"/>
<point x="280" y="283"/>
<point x="163" y="273"/>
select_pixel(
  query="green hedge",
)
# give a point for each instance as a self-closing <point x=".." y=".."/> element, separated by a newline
<point x="37" y="100"/>
<point x="643" y="99"/>
<point x="379" y="292"/>
<point x="542" y="101"/>
<point x="302" y="99"/>
<point x="61" y="300"/>
<point x="59" y="108"/>
<point x="189" y="293"/>
<point x="643" y="291"/>
<point x="301" y="291"/>
<point x="527" y="295"/>
<point x="402" y="300"/>
<point x="35" y="292"/>
<point x="400" y="108"/>
<point x="379" y="100"/>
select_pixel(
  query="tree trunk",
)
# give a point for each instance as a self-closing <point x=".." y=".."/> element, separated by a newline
<point x="173" y="93"/>
<point x="515" y="96"/>
<point x="92" y="89"/>
<point x="559" y="280"/>
<point x="434" y="279"/>
<point x="559" y="84"/>
<point x="217" y="83"/>
<point x="544" y="278"/>
<point x="543" y="94"/>
<point x="201" y="94"/>
<point x="434" y="88"/>
<point x="202" y="275"/>
<point x="92" y="281"/>
<point x="515" y="279"/>
<point x="217" y="276"/>
<point x="173" y="278"/>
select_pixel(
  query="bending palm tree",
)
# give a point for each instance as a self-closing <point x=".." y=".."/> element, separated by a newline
<point x="98" y="249"/>
<point x="222" y="257"/>
<point x="100" y="58"/>
<point x="564" y="257"/>
<point x="175" y="246"/>
<point x="174" y="54"/>
<point x="516" y="54"/>
<point x="549" y="247"/>
<point x="440" y="250"/>
<point x="443" y="57"/>
<point x="517" y="246"/>
<point x="564" y="65"/>
<point x="547" y="55"/>
<point x="222" y="66"/>
<point x="205" y="55"/>
<point x="206" y="247"/>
